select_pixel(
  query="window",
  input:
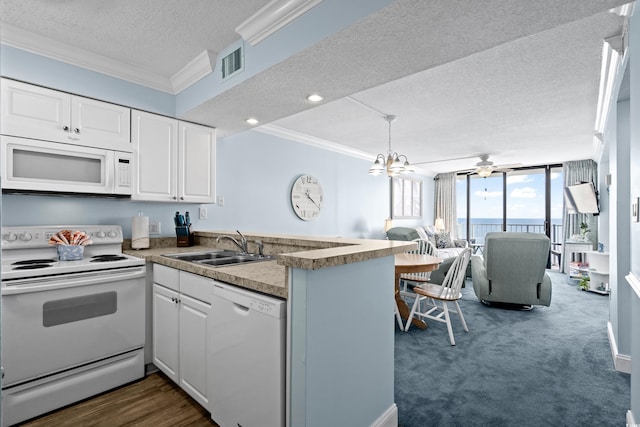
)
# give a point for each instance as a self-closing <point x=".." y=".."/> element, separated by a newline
<point x="406" y="198"/>
<point x="526" y="199"/>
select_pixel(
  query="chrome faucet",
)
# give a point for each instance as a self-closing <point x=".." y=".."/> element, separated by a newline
<point x="242" y="244"/>
<point x="260" y="247"/>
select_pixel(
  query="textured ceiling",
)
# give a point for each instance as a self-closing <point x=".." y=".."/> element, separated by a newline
<point x="159" y="36"/>
<point x="512" y="78"/>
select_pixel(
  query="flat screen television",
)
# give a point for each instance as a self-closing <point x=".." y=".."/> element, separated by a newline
<point x="584" y="198"/>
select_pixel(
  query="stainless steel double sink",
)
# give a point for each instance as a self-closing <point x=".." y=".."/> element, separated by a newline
<point x="219" y="257"/>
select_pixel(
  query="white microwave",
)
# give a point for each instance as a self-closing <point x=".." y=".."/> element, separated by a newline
<point x="41" y="166"/>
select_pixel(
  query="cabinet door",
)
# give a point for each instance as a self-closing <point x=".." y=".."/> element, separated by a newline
<point x="193" y="348"/>
<point x="100" y="124"/>
<point x="166" y="331"/>
<point x="155" y="150"/>
<point x="33" y="112"/>
<point x="196" y="168"/>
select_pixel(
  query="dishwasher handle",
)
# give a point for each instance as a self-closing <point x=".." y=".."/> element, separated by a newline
<point x="240" y="309"/>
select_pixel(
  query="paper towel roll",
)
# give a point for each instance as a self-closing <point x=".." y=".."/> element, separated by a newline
<point x="140" y="232"/>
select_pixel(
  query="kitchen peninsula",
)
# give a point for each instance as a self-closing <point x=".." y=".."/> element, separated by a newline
<point x="340" y="329"/>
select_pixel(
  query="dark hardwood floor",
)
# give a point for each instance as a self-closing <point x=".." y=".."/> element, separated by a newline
<point x="153" y="401"/>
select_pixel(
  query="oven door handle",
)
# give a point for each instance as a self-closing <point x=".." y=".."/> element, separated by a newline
<point x="61" y="282"/>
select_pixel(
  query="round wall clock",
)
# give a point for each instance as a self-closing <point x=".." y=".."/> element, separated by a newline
<point x="306" y="197"/>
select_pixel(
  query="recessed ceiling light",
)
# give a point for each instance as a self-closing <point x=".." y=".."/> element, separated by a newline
<point x="252" y="121"/>
<point x="314" y="97"/>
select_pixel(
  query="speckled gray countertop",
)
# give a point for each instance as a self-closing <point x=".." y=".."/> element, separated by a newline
<point x="270" y="277"/>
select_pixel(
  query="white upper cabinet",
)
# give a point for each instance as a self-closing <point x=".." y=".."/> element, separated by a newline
<point x="196" y="163"/>
<point x="173" y="160"/>
<point x="30" y="111"/>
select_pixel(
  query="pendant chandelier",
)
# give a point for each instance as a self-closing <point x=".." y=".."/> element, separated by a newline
<point x="391" y="163"/>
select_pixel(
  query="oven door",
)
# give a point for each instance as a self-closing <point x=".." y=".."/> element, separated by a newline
<point x="32" y="165"/>
<point x="53" y="324"/>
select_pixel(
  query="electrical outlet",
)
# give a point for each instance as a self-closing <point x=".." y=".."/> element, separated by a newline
<point x="220" y="201"/>
<point x="154" y="227"/>
<point x="202" y="213"/>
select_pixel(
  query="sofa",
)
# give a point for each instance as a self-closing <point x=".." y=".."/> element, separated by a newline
<point x="444" y="247"/>
<point x="512" y="269"/>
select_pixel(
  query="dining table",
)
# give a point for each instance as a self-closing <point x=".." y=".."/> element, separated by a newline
<point x="412" y="263"/>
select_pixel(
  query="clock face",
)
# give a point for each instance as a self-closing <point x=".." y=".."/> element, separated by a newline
<point x="307" y="197"/>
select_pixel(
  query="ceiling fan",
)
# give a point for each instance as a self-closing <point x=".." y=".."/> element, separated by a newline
<point x="485" y="167"/>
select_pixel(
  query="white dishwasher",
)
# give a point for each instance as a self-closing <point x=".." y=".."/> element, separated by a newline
<point x="247" y="358"/>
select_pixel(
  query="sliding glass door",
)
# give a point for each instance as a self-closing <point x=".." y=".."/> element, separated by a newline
<point x="521" y="200"/>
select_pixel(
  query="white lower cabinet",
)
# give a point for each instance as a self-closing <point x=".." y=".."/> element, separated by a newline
<point x="181" y="309"/>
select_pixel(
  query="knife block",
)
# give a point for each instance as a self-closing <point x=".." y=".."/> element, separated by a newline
<point x="184" y="236"/>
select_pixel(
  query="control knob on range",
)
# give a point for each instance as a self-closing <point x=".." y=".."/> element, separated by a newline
<point x="101" y="234"/>
<point x="10" y="237"/>
<point x="25" y="237"/>
<point x="112" y="233"/>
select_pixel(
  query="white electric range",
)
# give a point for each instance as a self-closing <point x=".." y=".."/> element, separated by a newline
<point x="70" y="329"/>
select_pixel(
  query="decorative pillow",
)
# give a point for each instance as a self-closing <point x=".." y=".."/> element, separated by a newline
<point x="443" y="240"/>
<point x="428" y="232"/>
<point x="460" y="243"/>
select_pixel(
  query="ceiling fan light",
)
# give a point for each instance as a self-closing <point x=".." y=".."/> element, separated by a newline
<point x="484" y="172"/>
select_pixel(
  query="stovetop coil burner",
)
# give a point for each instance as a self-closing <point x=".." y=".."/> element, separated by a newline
<point x="107" y="258"/>
<point x="31" y="266"/>
<point x="34" y="261"/>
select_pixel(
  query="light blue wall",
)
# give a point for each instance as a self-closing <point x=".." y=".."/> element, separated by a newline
<point x="255" y="172"/>
<point x="342" y="348"/>
<point x="20" y="65"/>
<point x="619" y="227"/>
<point x="634" y="159"/>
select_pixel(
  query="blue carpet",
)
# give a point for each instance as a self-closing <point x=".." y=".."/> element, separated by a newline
<point x="550" y="366"/>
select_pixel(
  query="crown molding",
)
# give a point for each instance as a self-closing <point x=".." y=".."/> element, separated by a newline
<point x="313" y="141"/>
<point x="196" y="69"/>
<point x="611" y="60"/>
<point x="322" y="143"/>
<point x="272" y="17"/>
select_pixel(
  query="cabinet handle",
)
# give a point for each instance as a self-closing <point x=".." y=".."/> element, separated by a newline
<point x="65" y="128"/>
<point x="181" y="198"/>
<point x="76" y="130"/>
<point x="174" y="197"/>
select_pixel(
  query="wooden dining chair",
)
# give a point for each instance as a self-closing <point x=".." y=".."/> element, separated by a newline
<point x="429" y="294"/>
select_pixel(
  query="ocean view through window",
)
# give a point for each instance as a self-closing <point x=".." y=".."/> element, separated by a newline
<point x="522" y="200"/>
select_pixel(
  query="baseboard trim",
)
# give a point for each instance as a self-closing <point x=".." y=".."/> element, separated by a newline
<point x="388" y="419"/>
<point x="621" y="362"/>
<point x="630" y="419"/>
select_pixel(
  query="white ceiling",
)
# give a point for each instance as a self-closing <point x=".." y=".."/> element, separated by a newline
<point x="511" y="78"/>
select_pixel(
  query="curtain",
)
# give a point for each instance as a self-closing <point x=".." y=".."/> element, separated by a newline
<point x="445" y="201"/>
<point x="574" y="173"/>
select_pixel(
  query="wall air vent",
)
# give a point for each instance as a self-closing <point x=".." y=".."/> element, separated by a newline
<point x="232" y="63"/>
